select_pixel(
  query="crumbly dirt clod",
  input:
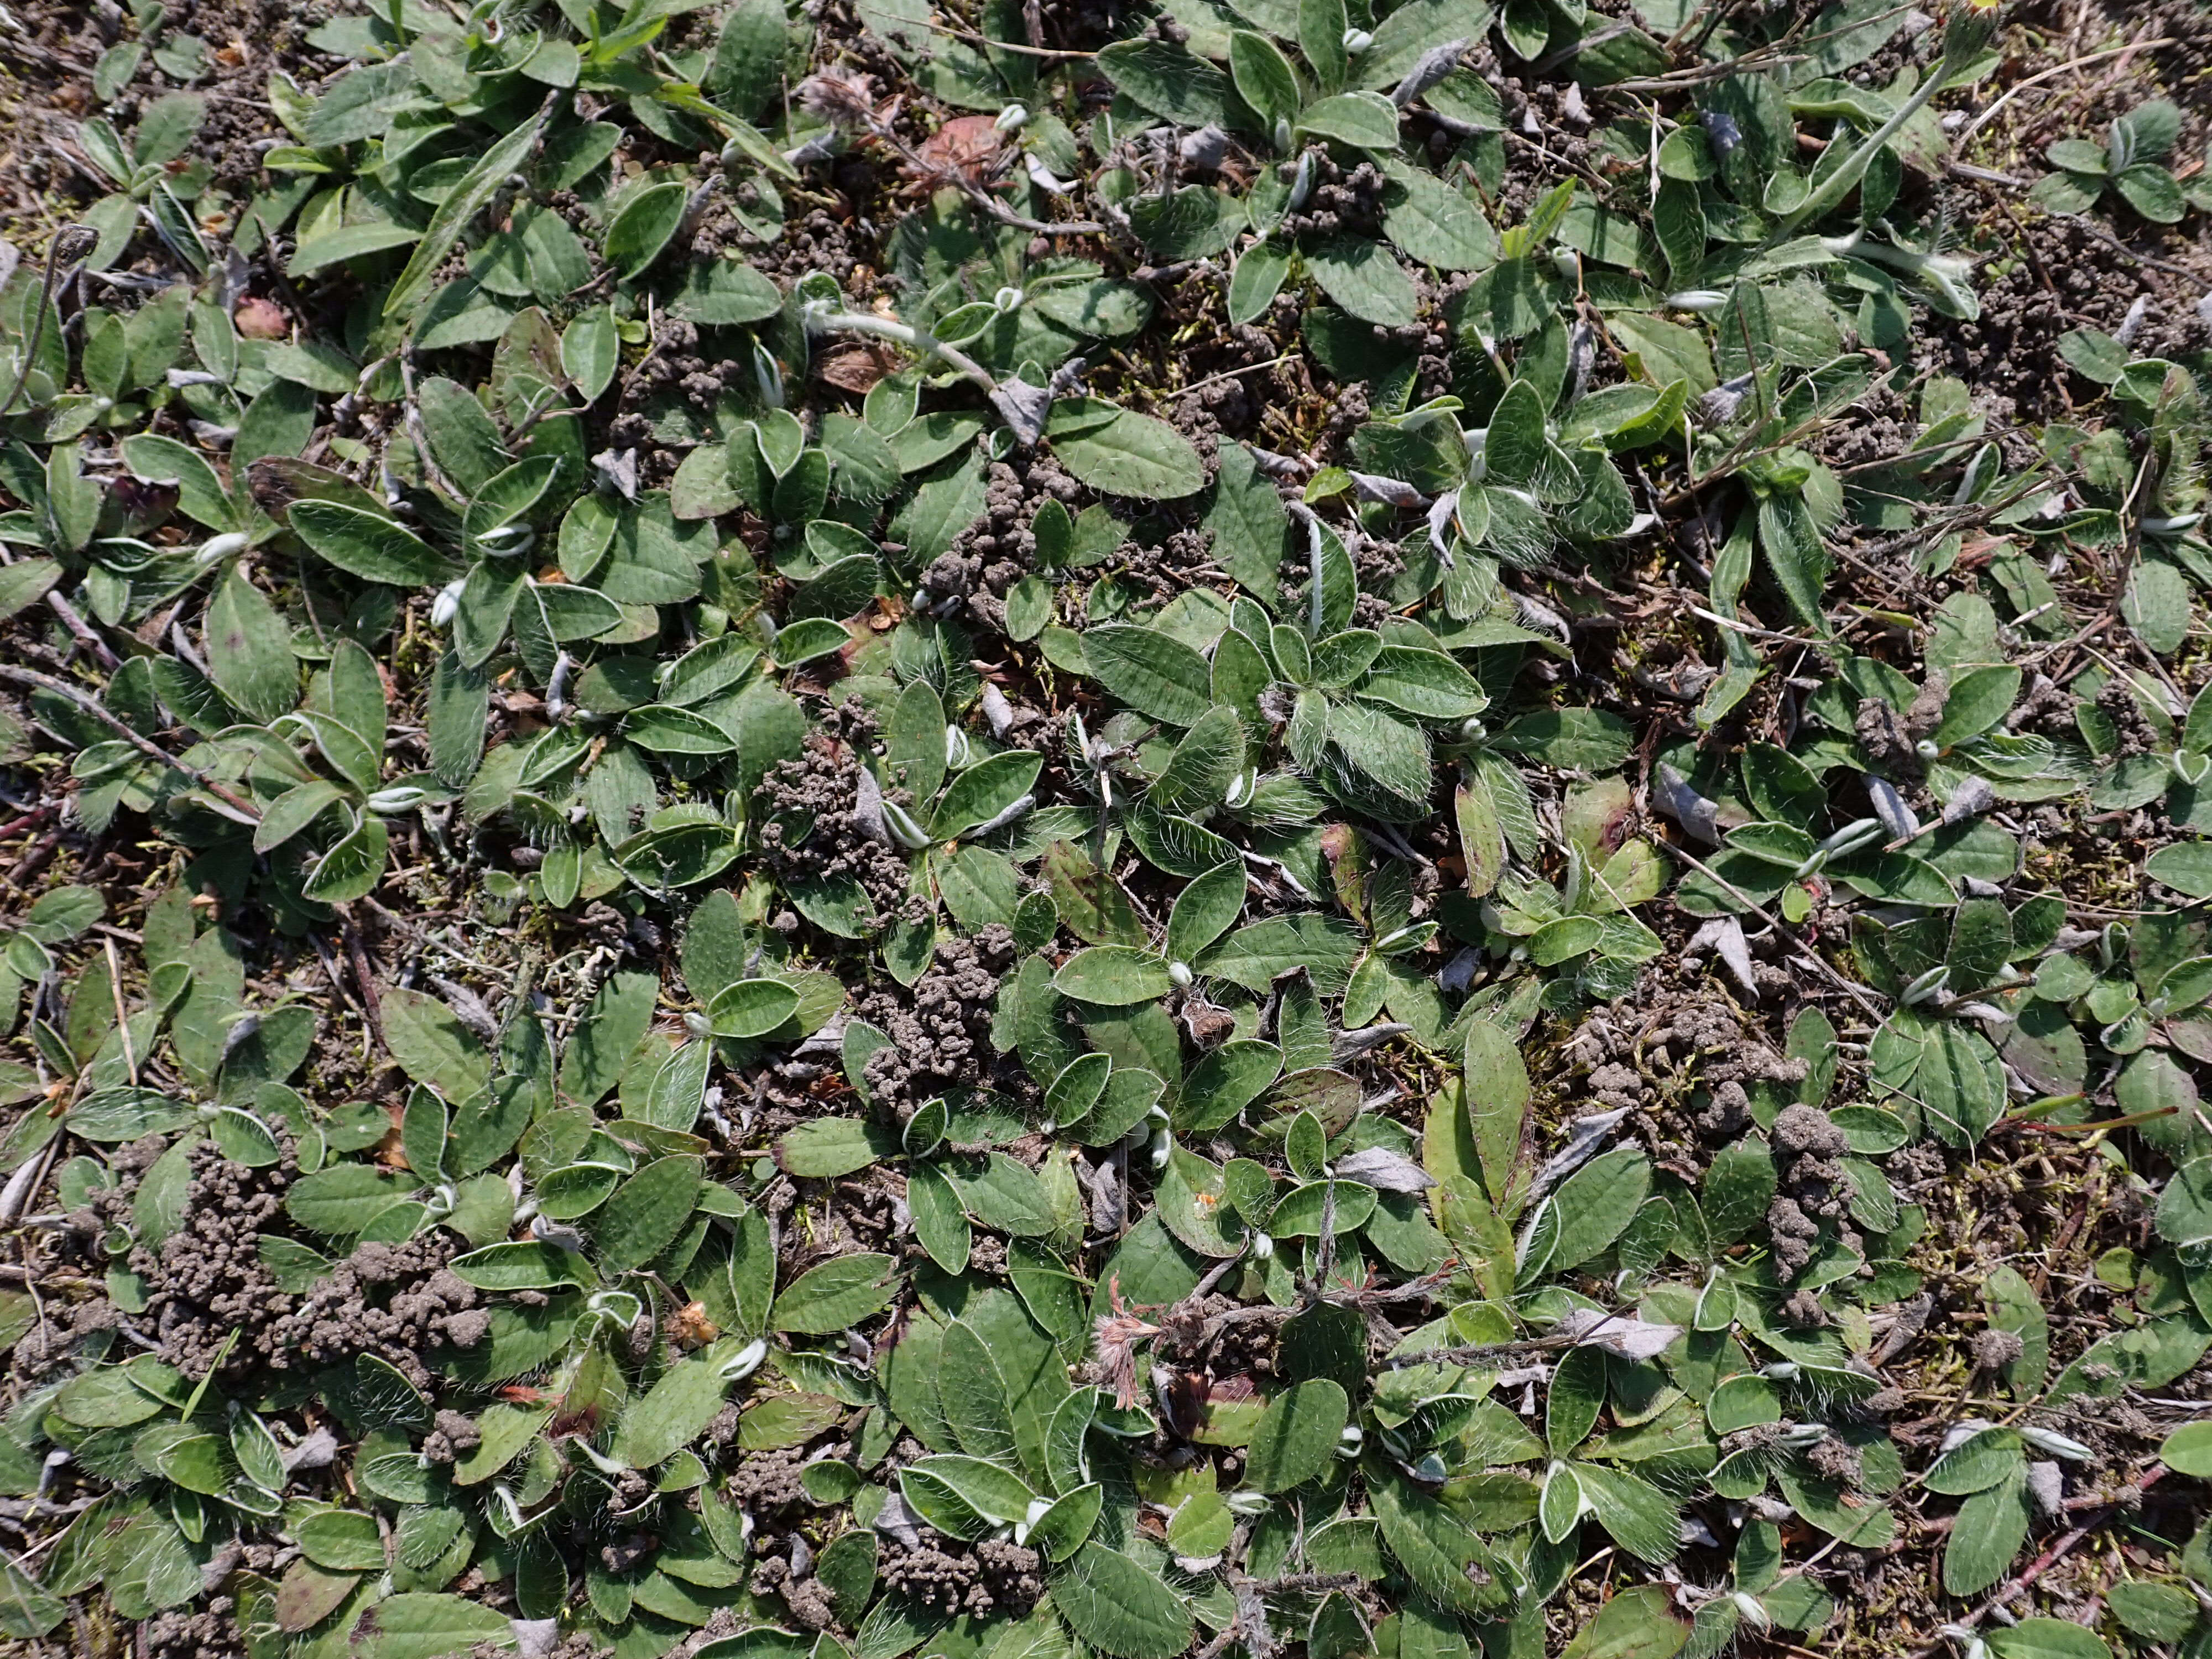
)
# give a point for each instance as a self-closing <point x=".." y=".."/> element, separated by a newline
<point x="398" y="1302"/>
<point x="765" y="1482"/>
<point x="207" y="1632"/>
<point x="991" y="1577"/>
<point x="816" y="827"/>
<point x="940" y="1032"/>
<point x="1814" y="1187"/>
<point x="207" y="1284"/>
<point x="806" y="1598"/>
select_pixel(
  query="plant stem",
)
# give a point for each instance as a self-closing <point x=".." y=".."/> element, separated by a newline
<point x="144" y="746"/>
<point x="861" y="322"/>
<point x="1840" y="184"/>
<point x="73" y="237"/>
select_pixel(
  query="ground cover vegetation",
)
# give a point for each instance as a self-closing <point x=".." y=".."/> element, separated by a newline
<point x="1004" y="831"/>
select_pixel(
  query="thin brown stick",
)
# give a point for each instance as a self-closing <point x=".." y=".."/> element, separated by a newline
<point x="2042" y="1564"/>
<point x="145" y="745"/>
<point x="1033" y="50"/>
<point x="1857" y="993"/>
<point x="365" y="982"/>
<point x="2053" y="73"/>
<point x="83" y="631"/>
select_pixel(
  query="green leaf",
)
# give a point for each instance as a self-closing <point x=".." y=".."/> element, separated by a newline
<point x="2151" y="191"/>
<point x="1426" y="683"/>
<point x="2157" y="606"/>
<point x="2014" y="1307"/>
<point x="1205" y="910"/>
<point x="824" y="1300"/>
<point x="344" y="242"/>
<point x="1497" y="1090"/>
<point x="104" y="1397"/>
<point x="460" y="704"/>
<point x="1248" y="522"/>
<point x="343" y="1199"/>
<point x="1004" y="1194"/>
<point x="751" y="1007"/>
<point x="1978" y="699"/>
<point x="1643" y="1520"/>
<point x="27" y="1611"/>
<point x="432" y="1045"/>
<point x="1297" y="1437"/>
<point x="529" y="1265"/>
<point x="591" y="351"/>
<point x="250" y="650"/>
<point x="361" y="105"/>
<point x="1168" y="80"/>
<point x="2184" y="865"/>
<point x="2046" y="1639"/>
<point x="1516" y="448"/>
<point x="940" y="1223"/>
<point x="982" y="791"/>
<point x="1577" y="1396"/>
<point x="417" y="1625"/>
<point x="617" y="1020"/>
<point x="2184" y="1208"/>
<point x="1795" y="554"/>
<point x="643" y="227"/>
<point x="1360" y="276"/>
<point x="675" y="1409"/>
<point x="1637" y="1623"/>
<point x="1114" y="976"/>
<point x="2188" y="1450"/>
<point x="1976" y="1463"/>
<point x="1595" y="1205"/>
<point x="1259" y="276"/>
<point x="1150" y="671"/>
<point x="1434" y="1546"/>
<point x="1987" y="1535"/>
<point x="1189" y="223"/>
<point x="166" y="128"/>
<point x="1264" y="77"/>
<point x="402" y="307"/>
<point x="1739" y="1185"/>
<point x="1366" y="120"/>
<point x="2145" y="1608"/>
<point x="353" y="866"/>
<point x="200" y="494"/>
<point x="1321" y="30"/>
<point x="1190" y="1203"/>
<point x="674" y="1087"/>
<point x="506" y="1431"/>
<point x="487" y="605"/>
<point x="24" y="582"/>
<point x="1207" y="761"/>
<point x="1579" y="740"/>
<point x="1120" y="1608"/>
<point x="724" y="292"/>
<point x="1124" y="453"/>
<point x="1063" y="1529"/>
<point x="965" y="1497"/>
<point x="343" y="1540"/>
<point x="113" y="1115"/>
<point x="1258" y="954"/>
<point x="1961" y="1085"/>
<point x="1029" y="608"/>
<point x="1433" y="224"/>
<point x="646" y="1213"/>
<point x="832" y="1146"/>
